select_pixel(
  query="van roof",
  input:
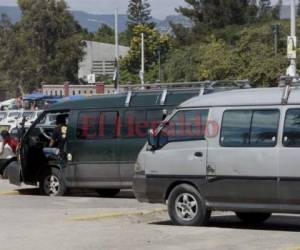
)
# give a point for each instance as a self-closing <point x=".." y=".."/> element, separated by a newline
<point x="244" y="97"/>
<point x="138" y="99"/>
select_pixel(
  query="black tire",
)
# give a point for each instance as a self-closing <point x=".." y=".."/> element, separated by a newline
<point x="108" y="193"/>
<point x="52" y="183"/>
<point x="186" y="207"/>
<point x="253" y="218"/>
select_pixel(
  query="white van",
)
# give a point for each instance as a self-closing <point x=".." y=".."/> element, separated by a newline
<point x="234" y="151"/>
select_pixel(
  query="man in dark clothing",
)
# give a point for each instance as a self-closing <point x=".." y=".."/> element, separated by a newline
<point x="59" y="134"/>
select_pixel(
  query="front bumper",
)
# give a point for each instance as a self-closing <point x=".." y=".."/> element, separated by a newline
<point x="148" y="190"/>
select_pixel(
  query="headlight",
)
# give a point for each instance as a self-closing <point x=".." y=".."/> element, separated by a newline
<point x="137" y="167"/>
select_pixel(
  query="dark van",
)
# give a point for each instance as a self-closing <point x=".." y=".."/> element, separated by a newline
<point x="104" y="136"/>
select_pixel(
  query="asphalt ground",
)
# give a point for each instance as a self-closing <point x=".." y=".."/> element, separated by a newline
<point x="82" y="220"/>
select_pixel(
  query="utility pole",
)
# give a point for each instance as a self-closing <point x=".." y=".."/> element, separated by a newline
<point x="117" y="73"/>
<point x="275" y="29"/>
<point x="159" y="64"/>
<point x="292" y="43"/>
<point x="142" y="72"/>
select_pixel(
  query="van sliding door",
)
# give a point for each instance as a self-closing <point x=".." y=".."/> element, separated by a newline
<point x="94" y="149"/>
<point x="243" y="168"/>
<point x="289" y="161"/>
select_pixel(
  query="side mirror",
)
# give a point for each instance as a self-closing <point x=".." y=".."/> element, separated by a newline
<point x="152" y="139"/>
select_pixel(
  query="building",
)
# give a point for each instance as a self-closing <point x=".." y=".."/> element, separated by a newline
<point x="99" y="59"/>
<point x="83" y="90"/>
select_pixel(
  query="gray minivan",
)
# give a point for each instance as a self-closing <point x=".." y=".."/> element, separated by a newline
<point x="235" y="151"/>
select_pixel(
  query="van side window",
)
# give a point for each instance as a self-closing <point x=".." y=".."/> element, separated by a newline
<point x="96" y="125"/>
<point x="291" y="133"/>
<point x="87" y="127"/>
<point x="249" y="128"/>
<point x="135" y="124"/>
<point x="186" y="125"/>
<point x="154" y="118"/>
<point x="264" y="128"/>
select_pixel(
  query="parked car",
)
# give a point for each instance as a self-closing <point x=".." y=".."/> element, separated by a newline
<point x="231" y="151"/>
<point x="3" y="115"/>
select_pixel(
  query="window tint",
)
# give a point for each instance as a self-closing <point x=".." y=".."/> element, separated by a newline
<point x="87" y="125"/>
<point x="135" y="124"/>
<point x="96" y="125"/>
<point x="154" y="118"/>
<point x="291" y="134"/>
<point x="264" y="128"/>
<point x="107" y="126"/>
<point x="236" y="128"/>
<point x="247" y="128"/>
<point x="184" y="126"/>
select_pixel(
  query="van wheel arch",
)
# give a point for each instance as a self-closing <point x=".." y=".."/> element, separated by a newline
<point x="177" y="183"/>
<point x="47" y="168"/>
<point x="51" y="181"/>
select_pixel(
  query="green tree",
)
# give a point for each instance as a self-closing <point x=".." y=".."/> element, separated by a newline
<point x="154" y="42"/>
<point x="218" y="13"/>
<point x="50" y="41"/>
<point x="265" y="8"/>
<point x="105" y="34"/>
<point x="250" y="55"/>
<point x="139" y="12"/>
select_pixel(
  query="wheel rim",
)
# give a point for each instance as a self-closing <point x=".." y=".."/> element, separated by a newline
<point x="186" y="207"/>
<point x="51" y="185"/>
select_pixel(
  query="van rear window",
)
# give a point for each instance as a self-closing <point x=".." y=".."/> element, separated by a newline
<point x="291" y="133"/>
<point x="249" y="128"/>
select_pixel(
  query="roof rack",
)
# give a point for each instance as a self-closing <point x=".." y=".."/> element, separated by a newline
<point x="205" y="88"/>
<point x="224" y="84"/>
<point x="289" y="81"/>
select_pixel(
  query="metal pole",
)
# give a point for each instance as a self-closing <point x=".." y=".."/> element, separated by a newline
<point x="117" y="52"/>
<point x="142" y="60"/>
<point x="293" y="34"/>
<point x="159" y="66"/>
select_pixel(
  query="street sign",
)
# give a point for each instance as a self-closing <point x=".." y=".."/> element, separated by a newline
<point x="91" y="78"/>
<point x="292" y="47"/>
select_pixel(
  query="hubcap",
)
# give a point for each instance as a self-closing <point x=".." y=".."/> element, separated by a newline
<point x="186" y="207"/>
<point x="51" y="185"/>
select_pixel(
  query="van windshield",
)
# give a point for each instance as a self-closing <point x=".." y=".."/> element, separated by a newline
<point x="166" y="120"/>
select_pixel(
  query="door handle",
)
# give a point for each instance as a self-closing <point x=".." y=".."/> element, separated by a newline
<point x="199" y="154"/>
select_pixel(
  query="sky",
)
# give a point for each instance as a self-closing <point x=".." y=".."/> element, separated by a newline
<point x="160" y="8"/>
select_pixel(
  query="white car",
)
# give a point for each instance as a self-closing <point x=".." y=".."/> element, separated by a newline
<point x="3" y="115"/>
<point x="12" y="116"/>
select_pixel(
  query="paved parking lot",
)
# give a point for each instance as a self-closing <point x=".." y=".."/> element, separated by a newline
<point x="84" y="221"/>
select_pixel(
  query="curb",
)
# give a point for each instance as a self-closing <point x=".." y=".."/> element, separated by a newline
<point x="9" y="193"/>
<point x="114" y="215"/>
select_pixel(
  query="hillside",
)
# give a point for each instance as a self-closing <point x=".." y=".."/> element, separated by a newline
<point x="92" y="21"/>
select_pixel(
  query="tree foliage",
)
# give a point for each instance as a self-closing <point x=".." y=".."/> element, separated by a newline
<point x="154" y="44"/>
<point x="218" y="13"/>
<point x="250" y="55"/>
<point x="44" y="46"/>
<point x="139" y="12"/>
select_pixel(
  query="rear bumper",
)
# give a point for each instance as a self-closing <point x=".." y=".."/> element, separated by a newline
<point x="148" y="189"/>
